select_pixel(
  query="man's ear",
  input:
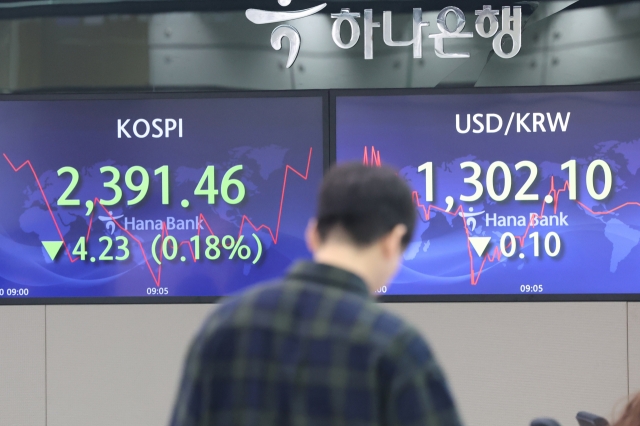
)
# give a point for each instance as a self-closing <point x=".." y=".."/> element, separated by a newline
<point x="311" y="236"/>
<point x="392" y="242"/>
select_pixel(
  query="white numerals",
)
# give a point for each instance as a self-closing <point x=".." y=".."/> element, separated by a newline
<point x="472" y="180"/>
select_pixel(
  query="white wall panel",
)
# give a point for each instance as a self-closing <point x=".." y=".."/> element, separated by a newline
<point x="22" y="365"/>
<point x="511" y="362"/>
<point x="116" y="364"/>
<point x="507" y="363"/>
<point x="634" y="347"/>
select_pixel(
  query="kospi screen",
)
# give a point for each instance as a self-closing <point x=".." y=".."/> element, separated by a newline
<point x="155" y="197"/>
<point x="516" y="193"/>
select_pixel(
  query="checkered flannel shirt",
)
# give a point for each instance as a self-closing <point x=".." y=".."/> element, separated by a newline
<point x="312" y="349"/>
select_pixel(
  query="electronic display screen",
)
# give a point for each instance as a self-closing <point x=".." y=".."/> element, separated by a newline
<point x="155" y="197"/>
<point x="516" y="193"/>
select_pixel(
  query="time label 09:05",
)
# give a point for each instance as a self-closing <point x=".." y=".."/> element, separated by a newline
<point x="535" y="288"/>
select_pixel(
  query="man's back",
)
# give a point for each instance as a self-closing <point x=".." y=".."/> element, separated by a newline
<point x="313" y="349"/>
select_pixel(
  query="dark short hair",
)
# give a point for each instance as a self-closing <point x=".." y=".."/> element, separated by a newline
<point x="367" y="202"/>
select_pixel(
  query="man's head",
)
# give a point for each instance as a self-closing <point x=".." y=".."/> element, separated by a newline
<point x="365" y="221"/>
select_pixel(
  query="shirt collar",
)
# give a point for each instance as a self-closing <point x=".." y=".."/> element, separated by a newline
<point x="328" y="275"/>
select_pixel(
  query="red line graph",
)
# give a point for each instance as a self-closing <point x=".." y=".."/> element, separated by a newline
<point x="495" y="254"/>
<point x="274" y="238"/>
<point x="373" y="160"/>
<point x="164" y="232"/>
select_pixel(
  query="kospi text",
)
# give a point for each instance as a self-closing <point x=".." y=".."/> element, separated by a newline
<point x="141" y="128"/>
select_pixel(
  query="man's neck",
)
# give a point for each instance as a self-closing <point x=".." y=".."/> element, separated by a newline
<point x="350" y="259"/>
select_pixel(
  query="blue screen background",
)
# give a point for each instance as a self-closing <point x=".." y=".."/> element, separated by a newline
<point x="263" y="134"/>
<point x="599" y="252"/>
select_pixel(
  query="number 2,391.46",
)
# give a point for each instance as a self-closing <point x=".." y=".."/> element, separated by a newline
<point x="138" y="181"/>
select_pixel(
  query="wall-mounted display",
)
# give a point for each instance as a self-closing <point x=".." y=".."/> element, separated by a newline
<point x="161" y="197"/>
<point x="517" y="192"/>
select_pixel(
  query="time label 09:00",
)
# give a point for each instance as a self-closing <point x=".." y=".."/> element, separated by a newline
<point x="11" y="292"/>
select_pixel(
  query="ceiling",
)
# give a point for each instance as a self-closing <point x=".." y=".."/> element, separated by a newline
<point x="10" y="9"/>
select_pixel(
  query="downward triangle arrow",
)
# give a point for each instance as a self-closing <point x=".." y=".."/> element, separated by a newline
<point x="52" y="248"/>
<point x="480" y="244"/>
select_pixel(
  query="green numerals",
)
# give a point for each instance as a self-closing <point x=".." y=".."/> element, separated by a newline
<point x="170" y="247"/>
<point x="137" y="180"/>
<point x="75" y="177"/>
<point x="80" y="248"/>
<point x="142" y="188"/>
<point x="228" y="182"/>
<point x="207" y="186"/>
<point x="164" y="176"/>
<point x="112" y="185"/>
<point x="208" y="179"/>
<point x="196" y="247"/>
<point x="124" y="242"/>
<point x="104" y="255"/>
<point x="212" y="246"/>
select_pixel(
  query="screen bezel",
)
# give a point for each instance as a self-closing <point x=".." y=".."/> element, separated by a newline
<point x="586" y="297"/>
<point x="321" y="94"/>
<point x="329" y="98"/>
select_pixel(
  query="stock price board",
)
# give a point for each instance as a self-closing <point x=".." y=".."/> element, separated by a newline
<point x="154" y="197"/>
<point x="516" y="193"/>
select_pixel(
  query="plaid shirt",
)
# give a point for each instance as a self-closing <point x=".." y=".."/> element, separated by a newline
<point x="313" y="349"/>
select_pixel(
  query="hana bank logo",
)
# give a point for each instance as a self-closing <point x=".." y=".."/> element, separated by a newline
<point x="470" y="218"/>
<point x="258" y="16"/>
<point x="508" y="26"/>
<point x="109" y="221"/>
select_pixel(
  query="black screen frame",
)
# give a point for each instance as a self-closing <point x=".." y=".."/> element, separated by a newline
<point x="335" y="94"/>
<point x="329" y="158"/>
<point x="137" y="300"/>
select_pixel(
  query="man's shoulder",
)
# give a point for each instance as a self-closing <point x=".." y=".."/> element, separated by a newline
<point x="293" y="296"/>
<point x="347" y="315"/>
<point x="263" y="300"/>
<point x="265" y="293"/>
<point x="400" y="338"/>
